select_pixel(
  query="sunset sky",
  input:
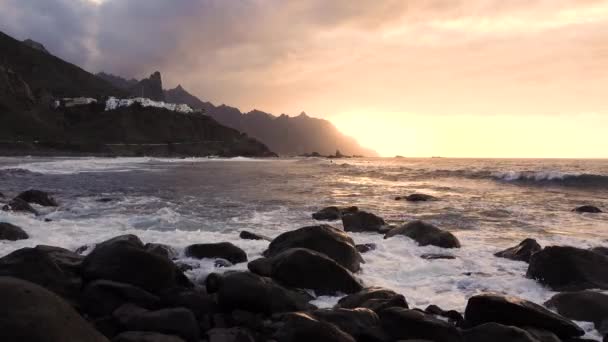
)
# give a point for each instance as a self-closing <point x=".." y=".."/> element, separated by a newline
<point x="470" y="78"/>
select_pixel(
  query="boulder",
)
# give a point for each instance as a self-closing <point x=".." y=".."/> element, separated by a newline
<point x="222" y="250"/>
<point x="425" y="234"/>
<point x="365" y="247"/>
<point x="373" y="298"/>
<point x="487" y="308"/>
<point x="39" y="197"/>
<point x="145" y="336"/>
<point x="521" y="252"/>
<point x="590" y="306"/>
<point x="251" y="292"/>
<point x="102" y="297"/>
<point x="417" y="198"/>
<point x="301" y="327"/>
<point x="304" y="268"/>
<point x="53" y="268"/>
<point x="32" y="313"/>
<point x="245" y="235"/>
<point x="546" y="336"/>
<point x="161" y="249"/>
<point x="324" y="239"/>
<point x="236" y="334"/>
<point x="403" y="324"/>
<point x="196" y="300"/>
<point x="333" y="213"/>
<point x="362" y="324"/>
<point x="11" y="232"/>
<point x="124" y="259"/>
<point x="565" y="268"/>
<point x="174" y="321"/>
<point x="436" y="256"/>
<point x="600" y="250"/>
<point x="361" y="221"/>
<point x="452" y="315"/>
<point x="495" y="332"/>
<point x="587" y="209"/>
<point x="19" y="205"/>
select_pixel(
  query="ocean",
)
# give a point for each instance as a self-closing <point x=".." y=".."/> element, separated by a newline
<point x="489" y="204"/>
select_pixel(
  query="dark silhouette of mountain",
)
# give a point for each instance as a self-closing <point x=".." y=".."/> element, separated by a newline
<point x="30" y="82"/>
<point x="151" y="87"/>
<point x="283" y="134"/>
<point x="35" y="45"/>
<point x="117" y="81"/>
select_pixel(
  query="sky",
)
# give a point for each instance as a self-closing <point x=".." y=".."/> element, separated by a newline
<point x="418" y="78"/>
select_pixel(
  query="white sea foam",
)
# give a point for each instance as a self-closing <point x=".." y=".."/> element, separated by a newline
<point x="533" y="175"/>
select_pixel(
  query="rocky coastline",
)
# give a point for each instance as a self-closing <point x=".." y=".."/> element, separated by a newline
<point x="126" y="290"/>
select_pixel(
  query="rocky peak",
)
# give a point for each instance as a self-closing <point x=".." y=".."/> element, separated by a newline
<point x="151" y="88"/>
<point x="35" y="45"/>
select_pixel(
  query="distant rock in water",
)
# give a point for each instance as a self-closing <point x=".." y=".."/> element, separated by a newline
<point x="417" y="198"/>
<point x="35" y="45"/>
<point x="333" y="213"/>
<point x="39" y="197"/>
<point x="11" y="232"/>
<point x="425" y="234"/>
<point x="587" y="209"/>
<point x="362" y="221"/>
<point x="521" y="252"/>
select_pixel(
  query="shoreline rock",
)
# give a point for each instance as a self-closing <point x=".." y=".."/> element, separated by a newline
<point x="11" y="232"/>
<point x="362" y="221"/>
<point x="221" y="250"/>
<point x="425" y="234"/>
<point x="522" y="252"/>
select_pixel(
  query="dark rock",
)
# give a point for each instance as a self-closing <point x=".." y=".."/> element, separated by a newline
<point x="544" y="335"/>
<point x="1" y="195"/>
<point x="324" y="239"/>
<point x="222" y="263"/>
<point x="304" y="268"/>
<point x="587" y="209"/>
<point x="39" y="197"/>
<point x="151" y="87"/>
<point x="105" y="199"/>
<point x="32" y="313"/>
<point x="174" y="321"/>
<point x="588" y="306"/>
<point x="161" y="249"/>
<point x="107" y="325"/>
<point x="197" y="300"/>
<point x="373" y="298"/>
<point x="417" y="198"/>
<point x="600" y="250"/>
<point x="245" y="235"/>
<point x="46" y="219"/>
<point x="145" y="336"/>
<point x="229" y="335"/>
<point x="514" y="311"/>
<point x="521" y="252"/>
<point x="102" y="297"/>
<point x="495" y="332"/>
<point x="435" y="256"/>
<point x="53" y="268"/>
<point x="565" y="268"/>
<point x="300" y="327"/>
<point x="403" y="324"/>
<point x="333" y="213"/>
<point x="365" y="247"/>
<point x="362" y="324"/>
<point x="425" y="234"/>
<point x="361" y="221"/>
<point x="223" y="250"/>
<point x="124" y="259"/>
<point x="11" y="232"/>
<point x="19" y="205"/>
<point x="452" y="315"/>
<point x="251" y="292"/>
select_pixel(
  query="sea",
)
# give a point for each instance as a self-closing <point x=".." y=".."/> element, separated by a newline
<point x="489" y="204"/>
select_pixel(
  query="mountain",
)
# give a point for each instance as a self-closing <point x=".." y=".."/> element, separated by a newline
<point x="116" y="81"/>
<point x="35" y="45"/>
<point x="32" y="80"/>
<point x="283" y="134"/>
<point x="151" y="87"/>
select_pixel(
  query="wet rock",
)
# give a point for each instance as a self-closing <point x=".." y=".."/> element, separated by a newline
<point x="1" y="195"/>
<point x="304" y="268"/>
<point x="19" y="205"/>
<point x="32" y="313"/>
<point x="124" y="259"/>
<point x="251" y="292"/>
<point x="11" y="232"/>
<point x="569" y="269"/>
<point x="102" y="297"/>
<point x="600" y="250"/>
<point x="53" y="268"/>
<point x="105" y="200"/>
<point x="39" y="197"/>
<point x="373" y="298"/>
<point x="362" y="221"/>
<point x="196" y="300"/>
<point x="301" y="327"/>
<point x="324" y="239"/>
<point x="435" y="256"/>
<point x="587" y="306"/>
<point x="425" y="234"/>
<point x="229" y="335"/>
<point x="365" y="247"/>
<point x="452" y="315"/>
<point x="521" y="252"/>
<point x="222" y="263"/>
<point x="545" y="336"/>
<point x="497" y="333"/>
<point x="403" y="324"/>
<point x="333" y="213"/>
<point x="487" y="308"/>
<point x="223" y="250"/>
<point x="145" y="336"/>
<point x="362" y="324"/>
<point x="174" y="321"/>
<point x="161" y="249"/>
<point x="417" y="198"/>
<point x="245" y="235"/>
<point x="587" y="209"/>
